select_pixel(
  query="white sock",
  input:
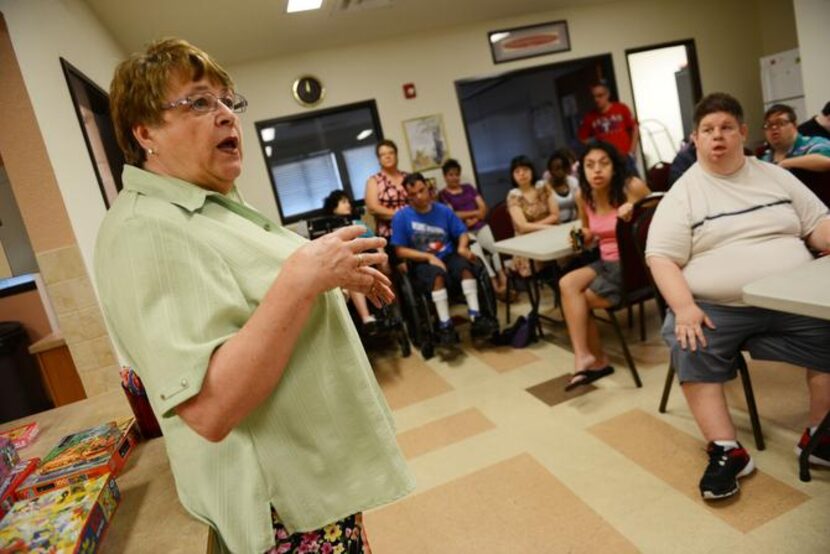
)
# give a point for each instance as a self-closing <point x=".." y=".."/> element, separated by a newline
<point x="470" y="289"/>
<point x="813" y="430"/>
<point x="442" y="304"/>
<point x="369" y="319"/>
<point x="727" y="445"/>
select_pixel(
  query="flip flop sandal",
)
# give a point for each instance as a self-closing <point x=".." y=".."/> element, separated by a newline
<point x="588" y="376"/>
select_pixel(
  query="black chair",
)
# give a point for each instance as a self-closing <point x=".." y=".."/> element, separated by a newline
<point x="636" y="286"/>
<point x="640" y="225"/>
<point x="816" y="181"/>
<point x="501" y="226"/>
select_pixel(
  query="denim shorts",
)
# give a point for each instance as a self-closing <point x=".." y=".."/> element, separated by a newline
<point x="608" y="282"/>
<point x="765" y="334"/>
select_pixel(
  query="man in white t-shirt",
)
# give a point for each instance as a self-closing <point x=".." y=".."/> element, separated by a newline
<point x="730" y="220"/>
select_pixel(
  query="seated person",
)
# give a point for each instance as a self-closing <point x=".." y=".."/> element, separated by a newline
<point x="532" y="206"/>
<point x="424" y="233"/>
<point x="563" y="184"/>
<point x="788" y="148"/>
<point x="684" y="159"/>
<point x="731" y="220"/>
<point x="338" y="203"/>
<point x="469" y="206"/>
<point x="818" y="126"/>
<point x="606" y="192"/>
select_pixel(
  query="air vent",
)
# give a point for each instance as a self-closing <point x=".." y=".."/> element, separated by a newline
<point x="349" y="6"/>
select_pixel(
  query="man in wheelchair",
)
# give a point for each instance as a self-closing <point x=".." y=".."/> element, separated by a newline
<point x="425" y="234"/>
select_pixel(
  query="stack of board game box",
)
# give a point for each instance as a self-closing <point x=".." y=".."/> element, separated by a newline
<point x="71" y="519"/>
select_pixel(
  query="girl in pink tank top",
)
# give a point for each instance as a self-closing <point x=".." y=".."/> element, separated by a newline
<point x="606" y="193"/>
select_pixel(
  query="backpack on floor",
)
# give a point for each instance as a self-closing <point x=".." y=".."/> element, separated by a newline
<point x="520" y="334"/>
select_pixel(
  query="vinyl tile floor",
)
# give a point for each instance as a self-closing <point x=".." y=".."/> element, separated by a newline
<point x="507" y="462"/>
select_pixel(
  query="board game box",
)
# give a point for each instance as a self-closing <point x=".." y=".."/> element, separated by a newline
<point x="22" y="436"/>
<point x="81" y="456"/>
<point x="8" y="457"/>
<point x="8" y="486"/>
<point x="71" y="519"/>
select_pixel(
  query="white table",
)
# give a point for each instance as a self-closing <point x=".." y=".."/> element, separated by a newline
<point x="544" y="246"/>
<point x="804" y="290"/>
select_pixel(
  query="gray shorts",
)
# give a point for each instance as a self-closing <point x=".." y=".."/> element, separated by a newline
<point x="766" y="334"/>
<point x="608" y="282"/>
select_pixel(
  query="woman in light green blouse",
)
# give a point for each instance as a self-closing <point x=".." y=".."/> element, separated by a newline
<point x="275" y="427"/>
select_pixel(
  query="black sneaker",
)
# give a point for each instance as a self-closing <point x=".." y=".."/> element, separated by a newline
<point x="446" y="335"/>
<point x="483" y="326"/>
<point x="820" y="454"/>
<point x="720" y="480"/>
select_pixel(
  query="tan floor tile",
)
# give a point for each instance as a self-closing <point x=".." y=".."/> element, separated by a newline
<point x="406" y="381"/>
<point x="443" y="432"/>
<point x="504" y="358"/>
<point x="513" y="506"/>
<point x="678" y="459"/>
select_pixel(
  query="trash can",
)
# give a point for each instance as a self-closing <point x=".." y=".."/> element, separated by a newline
<point x="21" y="388"/>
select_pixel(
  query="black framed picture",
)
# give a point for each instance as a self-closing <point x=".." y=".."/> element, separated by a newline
<point x="507" y="45"/>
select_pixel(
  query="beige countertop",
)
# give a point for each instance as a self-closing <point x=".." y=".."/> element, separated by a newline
<point x="150" y="517"/>
<point x="50" y="341"/>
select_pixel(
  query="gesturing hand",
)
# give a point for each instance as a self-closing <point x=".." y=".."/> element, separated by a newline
<point x="341" y="259"/>
<point x="688" y="327"/>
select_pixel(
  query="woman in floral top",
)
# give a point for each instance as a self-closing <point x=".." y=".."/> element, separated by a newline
<point x="385" y="193"/>
<point x="532" y="207"/>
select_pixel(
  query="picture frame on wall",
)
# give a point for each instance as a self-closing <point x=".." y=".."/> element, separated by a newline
<point x="517" y="43"/>
<point x="426" y="142"/>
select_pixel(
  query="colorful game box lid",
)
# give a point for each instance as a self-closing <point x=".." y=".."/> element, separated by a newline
<point x="8" y="457"/>
<point x="22" y="436"/>
<point x="71" y="519"/>
<point x="81" y="456"/>
<point x="8" y="487"/>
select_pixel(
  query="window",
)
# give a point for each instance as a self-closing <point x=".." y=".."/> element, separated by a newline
<point x="312" y="154"/>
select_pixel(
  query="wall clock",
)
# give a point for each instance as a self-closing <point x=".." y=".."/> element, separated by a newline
<point x="308" y="91"/>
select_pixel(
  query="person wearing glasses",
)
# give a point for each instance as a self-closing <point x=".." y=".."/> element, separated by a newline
<point x="611" y="122"/>
<point x="277" y="433"/>
<point x="790" y="149"/>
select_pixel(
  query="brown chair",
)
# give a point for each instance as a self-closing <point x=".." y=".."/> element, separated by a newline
<point x="501" y="226"/>
<point x="657" y="178"/>
<point x="640" y="225"/>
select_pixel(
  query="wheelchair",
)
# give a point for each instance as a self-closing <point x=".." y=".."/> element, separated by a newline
<point x="390" y="326"/>
<point x="419" y="312"/>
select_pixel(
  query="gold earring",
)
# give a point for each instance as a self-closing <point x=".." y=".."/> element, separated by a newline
<point x="150" y="151"/>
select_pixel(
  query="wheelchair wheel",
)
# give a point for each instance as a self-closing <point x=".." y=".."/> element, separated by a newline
<point x="416" y="317"/>
<point x="486" y="294"/>
<point x="403" y="342"/>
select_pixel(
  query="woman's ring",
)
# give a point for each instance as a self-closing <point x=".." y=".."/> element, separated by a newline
<point x="359" y="260"/>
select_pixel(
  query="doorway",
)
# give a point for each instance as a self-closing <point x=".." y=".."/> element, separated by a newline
<point x="665" y="82"/>
<point x="530" y="112"/>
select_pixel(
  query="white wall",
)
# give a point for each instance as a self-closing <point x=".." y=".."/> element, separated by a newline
<point x="42" y="31"/>
<point x="728" y="48"/>
<point x="812" y="19"/>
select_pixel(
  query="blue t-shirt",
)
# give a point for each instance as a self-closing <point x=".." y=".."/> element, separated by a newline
<point x="435" y="231"/>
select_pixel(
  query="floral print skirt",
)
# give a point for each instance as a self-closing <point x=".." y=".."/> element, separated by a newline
<point x="346" y="536"/>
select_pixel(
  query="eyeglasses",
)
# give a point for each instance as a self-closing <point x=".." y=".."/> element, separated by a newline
<point x="777" y="124"/>
<point x="206" y="102"/>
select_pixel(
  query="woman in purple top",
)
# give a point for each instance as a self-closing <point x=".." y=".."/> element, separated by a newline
<point x="470" y="208"/>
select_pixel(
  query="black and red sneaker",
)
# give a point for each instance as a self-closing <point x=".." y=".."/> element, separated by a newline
<point x="720" y="480"/>
<point x="821" y="453"/>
